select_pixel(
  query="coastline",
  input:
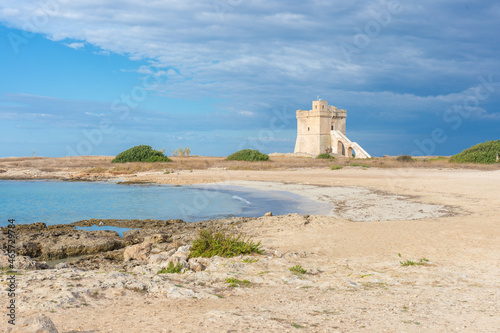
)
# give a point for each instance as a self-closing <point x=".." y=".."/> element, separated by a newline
<point x="346" y="261"/>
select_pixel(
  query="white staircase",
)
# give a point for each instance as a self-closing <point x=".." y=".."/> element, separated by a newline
<point x="337" y="136"/>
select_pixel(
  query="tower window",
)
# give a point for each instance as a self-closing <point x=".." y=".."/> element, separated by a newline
<point x="332" y="127"/>
<point x="308" y="129"/>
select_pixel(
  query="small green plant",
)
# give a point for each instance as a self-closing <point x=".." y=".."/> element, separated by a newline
<point x="218" y="241"/>
<point x="365" y="165"/>
<point x="405" y="158"/>
<point x="250" y="155"/>
<point x="297" y="325"/>
<point x="439" y="158"/>
<point x="142" y="153"/>
<point x="335" y="167"/>
<point x="297" y="269"/>
<point x="407" y="263"/>
<point x="325" y="156"/>
<point x="355" y="164"/>
<point x="233" y="282"/>
<point x="421" y="262"/>
<point x="171" y="268"/>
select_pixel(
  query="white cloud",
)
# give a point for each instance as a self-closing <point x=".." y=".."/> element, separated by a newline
<point x="76" y="45"/>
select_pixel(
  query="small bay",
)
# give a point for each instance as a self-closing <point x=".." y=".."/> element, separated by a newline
<point x="56" y="202"/>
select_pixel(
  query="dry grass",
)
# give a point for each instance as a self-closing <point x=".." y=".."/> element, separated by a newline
<point x="102" y="164"/>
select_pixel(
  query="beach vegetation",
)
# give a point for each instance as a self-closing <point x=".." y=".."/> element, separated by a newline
<point x="142" y="153"/>
<point x="297" y="269"/>
<point x="439" y="158"/>
<point x="325" y="156"/>
<point x="172" y="268"/>
<point x="421" y="262"/>
<point x="218" y="241"/>
<point x="484" y="153"/>
<point x="250" y="155"/>
<point x="336" y="167"/>
<point x="181" y="151"/>
<point x="405" y="158"/>
<point x="233" y="282"/>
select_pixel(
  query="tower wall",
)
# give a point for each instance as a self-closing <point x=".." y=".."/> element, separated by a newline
<point x="313" y="129"/>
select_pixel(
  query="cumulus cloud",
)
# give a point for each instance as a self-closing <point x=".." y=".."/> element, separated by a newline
<point x="76" y="45"/>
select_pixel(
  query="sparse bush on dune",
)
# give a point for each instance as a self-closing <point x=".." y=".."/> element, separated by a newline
<point x="485" y="153"/>
<point x="248" y="155"/>
<point x="325" y="156"/>
<point x="222" y="242"/>
<point x="142" y="153"/>
<point x="181" y="152"/>
<point x="405" y="158"/>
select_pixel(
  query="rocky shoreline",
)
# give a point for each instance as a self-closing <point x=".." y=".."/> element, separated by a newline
<point x="46" y="243"/>
<point x="109" y="267"/>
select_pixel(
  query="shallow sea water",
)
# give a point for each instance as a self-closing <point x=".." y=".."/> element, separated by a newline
<point x="56" y="202"/>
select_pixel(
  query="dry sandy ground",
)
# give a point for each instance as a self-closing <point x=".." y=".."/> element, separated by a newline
<point x="361" y="285"/>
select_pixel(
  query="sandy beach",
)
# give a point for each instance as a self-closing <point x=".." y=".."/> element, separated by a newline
<point x="445" y="218"/>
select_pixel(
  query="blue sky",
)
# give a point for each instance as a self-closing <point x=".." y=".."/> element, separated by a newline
<point x="97" y="77"/>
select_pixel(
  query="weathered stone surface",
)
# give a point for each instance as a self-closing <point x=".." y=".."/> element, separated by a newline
<point x="177" y="260"/>
<point x="182" y="253"/>
<point x="196" y="265"/>
<point x="22" y="262"/>
<point x="143" y="224"/>
<point x="157" y="238"/>
<point x="56" y="242"/>
<point x="137" y="252"/>
<point x="39" y="324"/>
<point x="61" y="265"/>
<point x="160" y="258"/>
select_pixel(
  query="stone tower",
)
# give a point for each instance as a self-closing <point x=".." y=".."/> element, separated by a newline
<point x="322" y="130"/>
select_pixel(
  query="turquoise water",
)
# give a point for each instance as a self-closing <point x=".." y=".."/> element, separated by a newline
<point x="56" y="202"/>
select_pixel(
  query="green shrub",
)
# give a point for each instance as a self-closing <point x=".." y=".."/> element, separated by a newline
<point x="297" y="269"/>
<point x="485" y="152"/>
<point x="221" y="242"/>
<point x="171" y="268"/>
<point x="141" y="153"/>
<point x="325" y="156"/>
<point x="233" y="282"/>
<point x="405" y="158"/>
<point x="335" y="167"/>
<point x="248" y="155"/>
<point x="421" y="262"/>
